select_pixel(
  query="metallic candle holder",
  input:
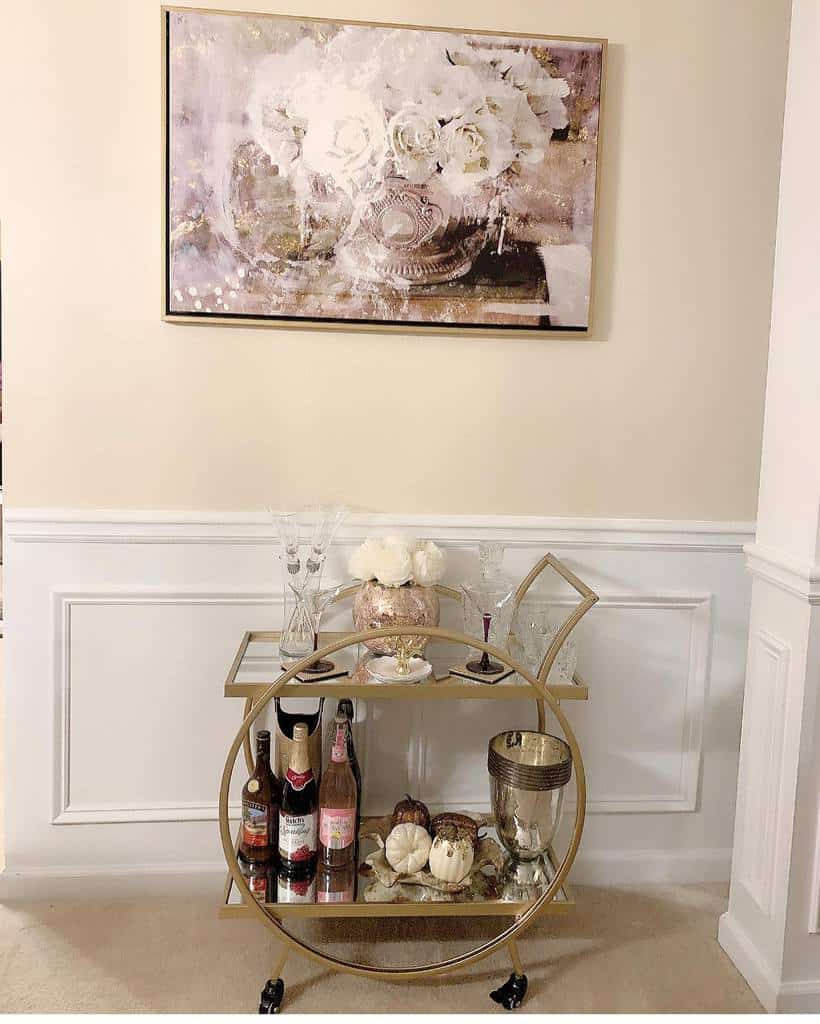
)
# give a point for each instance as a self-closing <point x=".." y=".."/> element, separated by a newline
<point x="528" y="774"/>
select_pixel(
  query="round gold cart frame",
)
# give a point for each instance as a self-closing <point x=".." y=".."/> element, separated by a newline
<point x="543" y="700"/>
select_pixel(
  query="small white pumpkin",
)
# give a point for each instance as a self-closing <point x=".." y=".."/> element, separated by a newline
<point x="407" y="848"/>
<point x="451" y="857"/>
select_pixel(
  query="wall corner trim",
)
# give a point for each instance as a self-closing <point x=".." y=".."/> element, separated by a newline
<point x="776" y="567"/>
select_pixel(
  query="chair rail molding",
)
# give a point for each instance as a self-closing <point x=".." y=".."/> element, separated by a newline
<point x="197" y="527"/>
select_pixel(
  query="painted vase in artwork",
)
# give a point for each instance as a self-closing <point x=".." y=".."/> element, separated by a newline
<point x="377" y="606"/>
<point x="414" y="234"/>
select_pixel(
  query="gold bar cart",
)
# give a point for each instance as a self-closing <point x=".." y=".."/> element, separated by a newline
<point x="258" y="694"/>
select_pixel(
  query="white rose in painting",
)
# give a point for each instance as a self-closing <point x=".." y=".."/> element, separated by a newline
<point x="395" y="564"/>
<point x="428" y="564"/>
<point x="476" y="149"/>
<point x="275" y="124"/>
<point x="365" y="559"/>
<point x="415" y="140"/>
<point x="345" y="138"/>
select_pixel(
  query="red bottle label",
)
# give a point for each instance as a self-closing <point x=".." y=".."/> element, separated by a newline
<point x="255" y="824"/>
<point x="258" y="886"/>
<point x="303" y="891"/>
<point x="299" y="779"/>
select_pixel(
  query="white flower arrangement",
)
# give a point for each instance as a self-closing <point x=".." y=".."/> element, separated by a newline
<point x="368" y="104"/>
<point x="394" y="561"/>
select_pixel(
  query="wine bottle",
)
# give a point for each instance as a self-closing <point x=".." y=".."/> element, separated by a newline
<point x="259" y="878"/>
<point x="257" y="840"/>
<point x="298" y="817"/>
<point x="345" y="707"/>
<point x="337" y="804"/>
<point x="296" y="884"/>
<point x="336" y="885"/>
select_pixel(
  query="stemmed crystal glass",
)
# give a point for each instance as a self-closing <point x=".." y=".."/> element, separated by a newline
<point x="493" y="603"/>
<point x="492" y="600"/>
<point x="316" y="602"/>
<point x="305" y="537"/>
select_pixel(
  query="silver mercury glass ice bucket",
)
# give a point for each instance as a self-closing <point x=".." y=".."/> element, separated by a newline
<point x="528" y="774"/>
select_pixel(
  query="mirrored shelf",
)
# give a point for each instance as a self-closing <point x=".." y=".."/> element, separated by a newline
<point x="257" y="667"/>
<point x="400" y="900"/>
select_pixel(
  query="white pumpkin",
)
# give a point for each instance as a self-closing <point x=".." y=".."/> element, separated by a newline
<point x="407" y="848"/>
<point x="451" y="858"/>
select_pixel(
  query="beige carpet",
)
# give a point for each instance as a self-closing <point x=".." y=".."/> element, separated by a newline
<point x="622" y="950"/>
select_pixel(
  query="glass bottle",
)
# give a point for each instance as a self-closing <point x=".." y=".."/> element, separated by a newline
<point x="345" y="707"/>
<point x="258" y="837"/>
<point x="338" y="796"/>
<point x="259" y="878"/>
<point x="336" y="885"/>
<point x="298" y="817"/>
<point x="296" y="884"/>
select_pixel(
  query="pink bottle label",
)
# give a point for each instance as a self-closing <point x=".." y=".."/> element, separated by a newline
<point x="339" y="750"/>
<point x="346" y="896"/>
<point x="337" y="827"/>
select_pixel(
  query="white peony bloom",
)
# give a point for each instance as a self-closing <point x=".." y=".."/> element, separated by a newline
<point x="345" y="138"/>
<point x="394" y="566"/>
<point x="476" y="148"/>
<point x="415" y="139"/>
<point x="428" y="564"/>
<point x="529" y="136"/>
<point x="365" y="559"/>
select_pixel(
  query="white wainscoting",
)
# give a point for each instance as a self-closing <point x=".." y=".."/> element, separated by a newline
<point x="765" y="702"/>
<point x="120" y="628"/>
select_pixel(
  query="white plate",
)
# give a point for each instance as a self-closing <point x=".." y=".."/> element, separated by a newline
<point x="384" y="669"/>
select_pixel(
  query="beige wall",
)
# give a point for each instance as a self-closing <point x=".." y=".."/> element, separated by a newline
<point x="658" y="415"/>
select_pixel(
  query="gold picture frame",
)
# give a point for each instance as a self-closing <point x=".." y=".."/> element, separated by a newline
<point x="213" y="316"/>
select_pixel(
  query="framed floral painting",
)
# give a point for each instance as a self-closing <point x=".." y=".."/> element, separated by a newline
<point x="363" y="175"/>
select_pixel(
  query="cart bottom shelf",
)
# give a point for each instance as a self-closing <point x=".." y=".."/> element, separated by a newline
<point x="235" y="907"/>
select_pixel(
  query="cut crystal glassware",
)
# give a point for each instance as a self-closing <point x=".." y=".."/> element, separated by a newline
<point x="316" y="601"/>
<point x="535" y="629"/>
<point x="491" y="603"/>
<point x="305" y="537"/>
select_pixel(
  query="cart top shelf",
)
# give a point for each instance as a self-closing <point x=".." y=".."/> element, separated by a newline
<point x="256" y="667"/>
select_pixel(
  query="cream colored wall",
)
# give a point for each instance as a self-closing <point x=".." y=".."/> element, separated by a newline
<point x="658" y="415"/>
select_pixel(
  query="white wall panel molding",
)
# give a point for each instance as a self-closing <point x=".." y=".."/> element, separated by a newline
<point x="169" y="527"/>
<point x="777" y="568"/>
<point x="691" y="710"/>
<point x="66" y="811"/>
<point x="762" y="800"/>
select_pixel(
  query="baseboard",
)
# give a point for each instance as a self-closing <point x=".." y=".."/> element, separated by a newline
<point x="113" y="881"/>
<point x="746" y="958"/>
<point x="652" y="867"/>
<point x="799" y="997"/>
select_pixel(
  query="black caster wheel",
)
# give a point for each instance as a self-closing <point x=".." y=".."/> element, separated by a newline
<point x="512" y="992"/>
<point x="272" y="995"/>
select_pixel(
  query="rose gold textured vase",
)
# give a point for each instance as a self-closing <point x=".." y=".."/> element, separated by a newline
<point x="376" y="606"/>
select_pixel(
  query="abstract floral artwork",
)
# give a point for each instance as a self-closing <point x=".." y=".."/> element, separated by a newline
<point x="353" y="175"/>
